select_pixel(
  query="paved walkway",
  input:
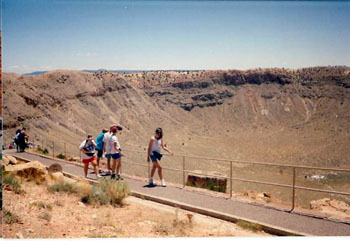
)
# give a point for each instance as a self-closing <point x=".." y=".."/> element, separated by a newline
<point x="296" y="223"/>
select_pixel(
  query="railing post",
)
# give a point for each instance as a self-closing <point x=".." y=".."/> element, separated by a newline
<point x="293" y="195"/>
<point x="53" y="149"/>
<point x="42" y="144"/>
<point x="65" y="153"/>
<point x="33" y="143"/>
<point x="183" y="172"/>
<point x="231" y="179"/>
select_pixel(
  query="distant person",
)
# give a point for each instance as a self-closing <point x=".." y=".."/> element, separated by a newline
<point x="87" y="147"/>
<point x="100" y="147"/>
<point x="18" y="132"/>
<point x="154" y="154"/>
<point x="114" y="150"/>
<point x="22" y="140"/>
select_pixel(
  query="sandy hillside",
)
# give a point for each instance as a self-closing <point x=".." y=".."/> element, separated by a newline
<point x="62" y="215"/>
<point x="272" y="115"/>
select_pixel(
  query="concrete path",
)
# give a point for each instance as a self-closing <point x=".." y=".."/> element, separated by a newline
<point x="280" y="221"/>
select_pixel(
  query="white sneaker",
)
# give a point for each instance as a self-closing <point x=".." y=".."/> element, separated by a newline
<point x="98" y="176"/>
<point x="163" y="183"/>
<point x="152" y="182"/>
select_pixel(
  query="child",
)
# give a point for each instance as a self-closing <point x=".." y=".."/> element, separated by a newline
<point x="154" y="154"/>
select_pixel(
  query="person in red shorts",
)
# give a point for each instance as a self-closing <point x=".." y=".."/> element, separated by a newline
<point x="87" y="147"/>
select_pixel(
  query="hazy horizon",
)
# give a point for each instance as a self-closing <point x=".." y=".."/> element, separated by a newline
<point x="79" y="35"/>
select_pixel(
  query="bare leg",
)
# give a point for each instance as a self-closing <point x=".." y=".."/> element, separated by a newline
<point x="86" y="166"/>
<point x="159" y="170"/>
<point x="153" y="169"/>
<point x="119" y="164"/>
<point x="114" y="163"/>
<point x="94" y="164"/>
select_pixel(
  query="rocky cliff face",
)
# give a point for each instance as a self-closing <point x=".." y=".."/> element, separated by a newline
<point x="275" y="113"/>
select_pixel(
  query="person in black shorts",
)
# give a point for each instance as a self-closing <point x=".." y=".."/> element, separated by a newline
<point x="99" y="147"/>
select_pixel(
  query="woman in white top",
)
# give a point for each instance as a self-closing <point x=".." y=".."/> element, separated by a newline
<point x="154" y="154"/>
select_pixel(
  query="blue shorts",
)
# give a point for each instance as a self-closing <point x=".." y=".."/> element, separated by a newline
<point x="154" y="158"/>
<point x="116" y="156"/>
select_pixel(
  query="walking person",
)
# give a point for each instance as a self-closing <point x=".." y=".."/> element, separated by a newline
<point x="115" y="152"/>
<point x="154" y="153"/>
<point x="100" y="147"/>
<point x="107" y="148"/>
<point x="87" y="147"/>
<point x="16" y="140"/>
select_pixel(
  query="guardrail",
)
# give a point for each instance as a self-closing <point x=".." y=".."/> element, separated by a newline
<point x="184" y="171"/>
<point x="291" y="186"/>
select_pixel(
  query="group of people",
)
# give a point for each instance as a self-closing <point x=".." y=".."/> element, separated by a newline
<point x="107" y="142"/>
<point x="21" y="140"/>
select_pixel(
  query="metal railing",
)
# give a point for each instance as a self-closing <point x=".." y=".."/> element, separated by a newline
<point x="292" y="186"/>
<point x="184" y="171"/>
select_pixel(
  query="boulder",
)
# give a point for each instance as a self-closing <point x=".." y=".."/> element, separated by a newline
<point x="32" y="170"/>
<point x="212" y="183"/>
<point x="9" y="160"/>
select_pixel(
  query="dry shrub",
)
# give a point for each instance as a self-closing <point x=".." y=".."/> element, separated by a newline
<point x="9" y="217"/>
<point x="42" y="205"/>
<point x="250" y="226"/>
<point x="62" y="187"/>
<point x="10" y="182"/>
<point x="107" y="192"/>
<point x="45" y="216"/>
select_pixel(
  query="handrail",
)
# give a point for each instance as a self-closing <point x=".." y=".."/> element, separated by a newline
<point x="231" y="161"/>
<point x="255" y="163"/>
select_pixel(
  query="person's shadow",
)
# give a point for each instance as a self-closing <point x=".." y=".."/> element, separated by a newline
<point x="150" y="185"/>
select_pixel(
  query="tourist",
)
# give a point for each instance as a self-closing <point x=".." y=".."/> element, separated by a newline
<point x="100" y="147"/>
<point x="154" y="154"/>
<point x="22" y="139"/>
<point x="87" y="147"/>
<point x="114" y="149"/>
<point x="106" y="147"/>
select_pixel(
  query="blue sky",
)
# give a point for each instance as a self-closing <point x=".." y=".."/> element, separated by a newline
<point x="146" y="35"/>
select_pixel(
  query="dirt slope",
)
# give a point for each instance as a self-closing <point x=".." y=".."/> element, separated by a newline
<point x="274" y="115"/>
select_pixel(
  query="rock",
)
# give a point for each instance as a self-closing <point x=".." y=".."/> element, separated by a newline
<point x="81" y="204"/>
<point x="94" y="216"/>
<point x="5" y="161"/>
<point x="212" y="183"/>
<point x="9" y="160"/>
<point x="29" y="230"/>
<point x="19" y="235"/>
<point x="57" y="176"/>
<point x="33" y="170"/>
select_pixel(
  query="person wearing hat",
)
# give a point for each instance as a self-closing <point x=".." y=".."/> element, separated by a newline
<point x="99" y="147"/>
<point x="109" y="148"/>
<point x="87" y="147"/>
<point x="115" y="152"/>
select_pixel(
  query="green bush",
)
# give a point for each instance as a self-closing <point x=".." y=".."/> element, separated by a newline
<point x="12" y="182"/>
<point x="62" y="187"/>
<point x="107" y="192"/>
<point x="42" y="151"/>
<point x="61" y="156"/>
<point x="9" y="217"/>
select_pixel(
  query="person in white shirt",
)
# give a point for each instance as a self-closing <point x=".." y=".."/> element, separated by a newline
<point x="87" y="147"/>
<point x="113" y="148"/>
<point x="154" y="154"/>
<point x="106" y="148"/>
